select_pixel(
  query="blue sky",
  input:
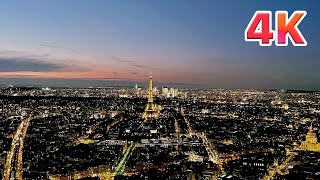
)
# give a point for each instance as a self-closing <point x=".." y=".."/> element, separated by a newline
<point x="181" y="41"/>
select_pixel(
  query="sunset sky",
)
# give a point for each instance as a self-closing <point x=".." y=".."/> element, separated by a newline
<point x="200" y="43"/>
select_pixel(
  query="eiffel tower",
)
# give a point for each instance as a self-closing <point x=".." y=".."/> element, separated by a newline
<point x="150" y="112"/>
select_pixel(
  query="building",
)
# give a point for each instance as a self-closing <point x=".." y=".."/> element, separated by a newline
<point x="311" y="142"/>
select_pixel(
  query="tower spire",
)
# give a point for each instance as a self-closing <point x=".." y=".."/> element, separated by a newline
<point x="150" y="90"/>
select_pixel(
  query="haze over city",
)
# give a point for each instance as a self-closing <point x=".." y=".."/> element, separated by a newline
<point x="200" y="44"/>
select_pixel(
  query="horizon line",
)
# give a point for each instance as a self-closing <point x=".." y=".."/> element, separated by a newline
<point x="128" y="83"/>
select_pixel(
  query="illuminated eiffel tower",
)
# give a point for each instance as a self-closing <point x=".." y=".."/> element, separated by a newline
<point x="150" y="112"/>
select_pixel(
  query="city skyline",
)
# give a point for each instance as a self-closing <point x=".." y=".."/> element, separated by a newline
<point x="121" y="133"/>
<point x="184" y="42"/>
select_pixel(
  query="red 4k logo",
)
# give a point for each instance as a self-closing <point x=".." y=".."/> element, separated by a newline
<point x="260" y="28"/>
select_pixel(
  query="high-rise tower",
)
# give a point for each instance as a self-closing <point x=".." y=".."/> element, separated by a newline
<point x="150" y="111"/>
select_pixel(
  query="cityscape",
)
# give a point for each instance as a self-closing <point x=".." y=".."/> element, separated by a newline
<point x="159" y="90"/>
<point x="159" y="133"/>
